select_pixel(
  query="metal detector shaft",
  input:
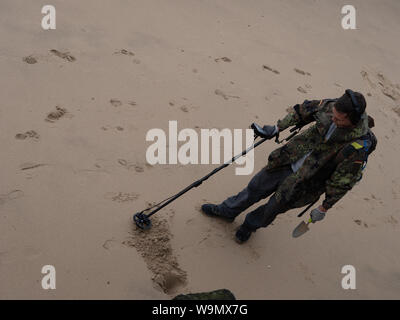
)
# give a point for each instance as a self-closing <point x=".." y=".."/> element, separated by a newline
<point x="200" y="181"/>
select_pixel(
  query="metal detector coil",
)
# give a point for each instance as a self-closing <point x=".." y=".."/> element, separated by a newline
<point x="142" y="220"/>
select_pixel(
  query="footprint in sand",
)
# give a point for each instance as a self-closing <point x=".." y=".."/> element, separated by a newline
<point x="224" y="59"/>
<point x="108" y="244"/>
<point x="388" y="88"/>
<point x="121" y="196"/>
<point x="154" y="246"/>
<point x="301" y="89"/>
<point x="129" y="165"/>
<point x="184" y="109"/>
<point x="116" y="102"/>
<point x="123" y="162"/>
<point x="391" y="220"/>
<point x="118" y="128"/>
<point x="359" y="222"/>
<point x="29" y="134"/>
<point x="57" y="114"/>
<point x="270" y="69"/>
<point x="124" y="52"/>
<point x="138" y="168"/>
<point x="29" y="59"/>
<point x="376" y="80"/>
<point x="365" y="76"/>
<point x="63" y="55"/>
<point x="304" y="73"/>
<point x="224" y="95"/>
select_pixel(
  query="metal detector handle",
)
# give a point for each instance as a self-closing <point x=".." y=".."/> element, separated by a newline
<point x="295" y="130"/>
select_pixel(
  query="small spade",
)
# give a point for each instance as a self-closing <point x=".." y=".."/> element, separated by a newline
<point x="301" y="229"/>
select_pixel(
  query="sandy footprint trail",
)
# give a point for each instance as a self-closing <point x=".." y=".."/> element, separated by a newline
<point x="154" y="245"/>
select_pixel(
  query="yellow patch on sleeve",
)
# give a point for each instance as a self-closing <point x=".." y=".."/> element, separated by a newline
<point x="356" y="145"/>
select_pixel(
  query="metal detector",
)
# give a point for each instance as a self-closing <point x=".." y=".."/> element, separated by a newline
<point x="143" y="221"/>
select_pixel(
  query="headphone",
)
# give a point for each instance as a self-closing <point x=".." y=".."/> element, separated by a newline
<point x="356" y="115"/>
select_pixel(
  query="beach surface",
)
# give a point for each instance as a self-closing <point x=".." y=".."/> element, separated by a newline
<point x="77" y="103"/>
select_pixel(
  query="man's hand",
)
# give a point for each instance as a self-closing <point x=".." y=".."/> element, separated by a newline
<point x="265" y="132"/>
<point x="317" y="214"/>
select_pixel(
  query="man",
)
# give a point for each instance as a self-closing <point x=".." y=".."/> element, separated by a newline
<point x="327" y="158"/>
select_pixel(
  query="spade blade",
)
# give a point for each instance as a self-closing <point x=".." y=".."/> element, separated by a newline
<point x="301" y="229"/>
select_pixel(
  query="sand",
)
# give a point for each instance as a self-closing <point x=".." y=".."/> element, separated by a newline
<point x="77" y="102"/>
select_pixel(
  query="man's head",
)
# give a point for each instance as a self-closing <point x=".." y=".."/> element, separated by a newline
<point x="348" y="109"/>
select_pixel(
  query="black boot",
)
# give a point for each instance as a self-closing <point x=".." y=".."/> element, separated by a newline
<point x="213" y="211"/>
<point x="243" y="233"/>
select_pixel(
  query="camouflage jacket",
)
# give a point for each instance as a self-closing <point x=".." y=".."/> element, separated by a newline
<point x="333" y="167"/>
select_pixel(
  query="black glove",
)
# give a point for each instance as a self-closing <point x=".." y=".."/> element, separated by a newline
<point x="265" y="132"/>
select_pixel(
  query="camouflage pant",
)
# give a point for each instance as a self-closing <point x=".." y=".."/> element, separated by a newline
<point x="262" y="185"/>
